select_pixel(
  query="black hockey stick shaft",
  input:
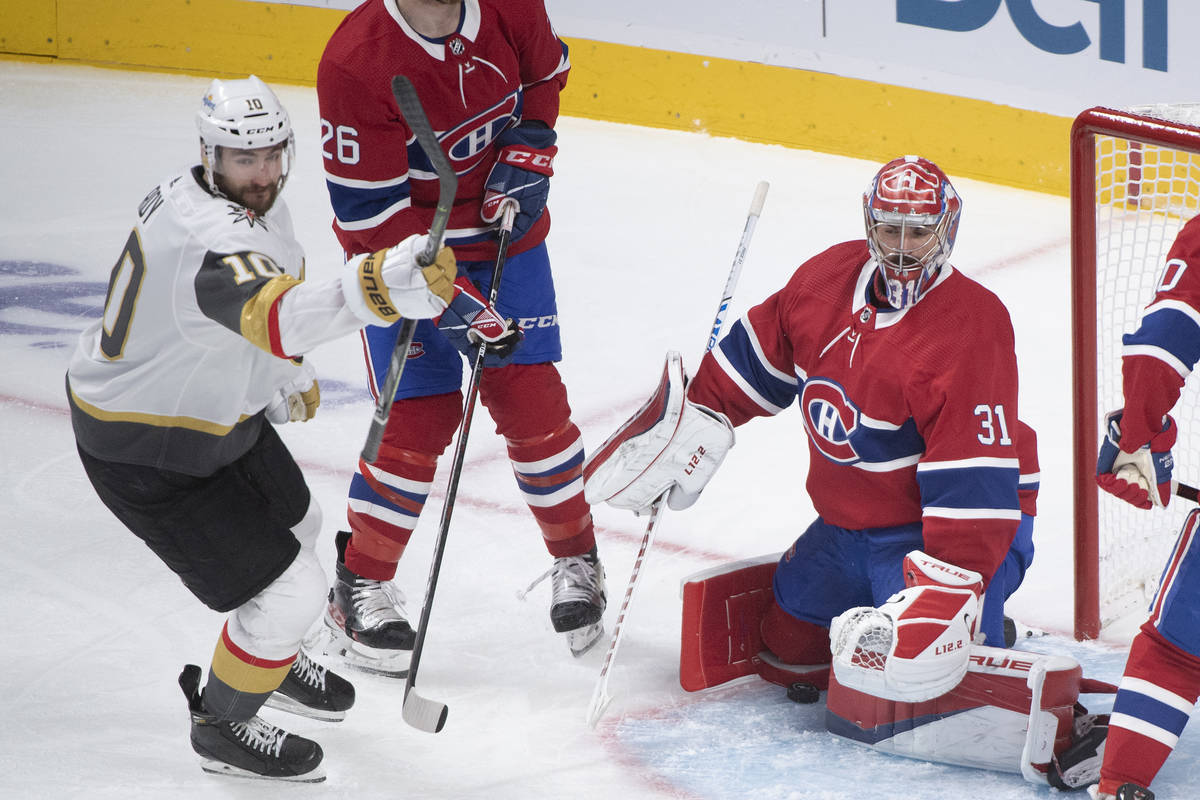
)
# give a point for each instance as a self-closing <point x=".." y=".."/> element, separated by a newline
<point x="1187" y="492"/>
<point x="420" y="712"/>
<point x="418" y="121"/>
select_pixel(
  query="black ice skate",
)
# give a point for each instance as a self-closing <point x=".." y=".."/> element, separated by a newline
<point x="578" y="600"/>
<point x="365" y="627"/>
<point x="250" y="749"/>
<point x="313" y="691"/>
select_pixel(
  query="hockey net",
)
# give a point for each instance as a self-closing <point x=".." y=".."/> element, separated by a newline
<point x="1135" y="180"/>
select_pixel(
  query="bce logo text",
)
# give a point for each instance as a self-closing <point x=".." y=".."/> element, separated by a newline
<point x="970" y="15"/>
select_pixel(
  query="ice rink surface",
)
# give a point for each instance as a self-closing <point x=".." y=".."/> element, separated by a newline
<point x="646" y="223"/>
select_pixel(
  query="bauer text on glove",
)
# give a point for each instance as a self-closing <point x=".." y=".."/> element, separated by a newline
<point x="383" y="286"/>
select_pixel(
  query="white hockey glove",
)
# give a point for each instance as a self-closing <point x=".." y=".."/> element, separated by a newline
<point x="384" y="286"/>
<point x="297" y="400"/>
<point x="916" y="646"/>
<point x="669" y="444"/>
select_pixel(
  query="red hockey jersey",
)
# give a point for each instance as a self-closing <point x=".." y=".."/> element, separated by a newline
<point x="1159" y="356"/>
<point x="505" y="64"/>
<point x="911" y="415"/>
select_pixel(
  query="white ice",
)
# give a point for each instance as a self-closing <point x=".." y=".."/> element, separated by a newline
<point x="646" y="223"/>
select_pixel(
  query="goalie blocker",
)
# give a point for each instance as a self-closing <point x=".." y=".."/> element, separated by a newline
<point x="670" y="444"/>
<point x="1008" y="710"/>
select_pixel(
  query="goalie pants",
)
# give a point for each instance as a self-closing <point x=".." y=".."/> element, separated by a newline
<point x="242" y="540"/>
<point x="526" y="399"/>
<point x="830" y="569"/>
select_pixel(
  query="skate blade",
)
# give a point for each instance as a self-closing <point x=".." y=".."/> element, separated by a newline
<point x="338" y="646"/>
<point x="228" y="770"/>
<point x="584" y="639"/>
<point x="281" y="702"/>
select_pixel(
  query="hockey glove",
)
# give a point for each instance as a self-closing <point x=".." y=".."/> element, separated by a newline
<point x="522" y="174"/>
<point x="670" y="443"/>
<point x="917" y="645"/>
<point x="1143" y="477"/>
<point x="296" y="400"/>
<point x="469" y="320"/>
<point x="384" y="286"/>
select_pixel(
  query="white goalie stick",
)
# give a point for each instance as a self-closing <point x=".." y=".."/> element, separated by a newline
<point x="414" y="114"/>
<point x="421" y="712"/>
<point x="600" y="696"/>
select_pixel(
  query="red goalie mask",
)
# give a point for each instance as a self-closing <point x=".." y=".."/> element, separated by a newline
<point x="911" y="214"/>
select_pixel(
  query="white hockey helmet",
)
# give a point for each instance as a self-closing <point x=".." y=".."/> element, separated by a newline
<point x="910" y="193"/>
<point x="242" y="114"/>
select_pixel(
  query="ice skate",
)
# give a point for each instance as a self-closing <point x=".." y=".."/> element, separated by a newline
<point x="578" y="600"/>
<point x="365" y="627"/>
<point x="250" y="749"/>
<point x="313" y="691"/>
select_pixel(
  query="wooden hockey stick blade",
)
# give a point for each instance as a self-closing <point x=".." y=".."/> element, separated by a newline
<point x="1187" y="492"/>
<point x="424" y="714"/>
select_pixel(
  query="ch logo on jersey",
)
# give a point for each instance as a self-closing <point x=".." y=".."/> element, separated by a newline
<point x="831" y="419"/>
<point x="467" y="144"/>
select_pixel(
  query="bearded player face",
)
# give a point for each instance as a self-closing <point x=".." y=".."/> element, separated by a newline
<point x="252" y="178"/>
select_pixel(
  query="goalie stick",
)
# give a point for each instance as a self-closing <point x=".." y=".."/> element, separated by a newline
<point x="600" y="696"/>
<point x="421" y="712"/>
<point x="414" y="114"/>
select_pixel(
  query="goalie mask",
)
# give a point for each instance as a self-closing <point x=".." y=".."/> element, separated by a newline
<point x="246" y="142"/>
<point x="911" y="214"/>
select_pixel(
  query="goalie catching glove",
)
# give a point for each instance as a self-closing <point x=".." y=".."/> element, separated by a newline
<point x="1143" y="477"/>
<point x="383" y="286"/>
<point x="915" y="646"/>
<point x="670" y="444"/>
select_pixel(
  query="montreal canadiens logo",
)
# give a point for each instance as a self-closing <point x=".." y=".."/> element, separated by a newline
<point x="467" y="143"/>
<point x="831" y="419"/>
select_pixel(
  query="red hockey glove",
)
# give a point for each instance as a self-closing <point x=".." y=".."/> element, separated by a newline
<point x="469" y="320"/>
<point x="1130" y="476"/>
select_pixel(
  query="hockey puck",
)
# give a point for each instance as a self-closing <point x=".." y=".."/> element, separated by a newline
<point x="803" y="692"/>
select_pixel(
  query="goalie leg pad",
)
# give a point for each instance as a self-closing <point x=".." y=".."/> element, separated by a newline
<point x="987" y="721"/>
<point x="727" y="630"/>
<point x="722" y="609"/>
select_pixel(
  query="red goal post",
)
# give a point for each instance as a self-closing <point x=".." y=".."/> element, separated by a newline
<point x="1135" y="179"/>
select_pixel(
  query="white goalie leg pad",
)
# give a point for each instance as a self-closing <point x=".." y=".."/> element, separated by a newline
<point x="915" y="646"/>
<point x="1013" y="711"/>
<point x="669" y="444"/>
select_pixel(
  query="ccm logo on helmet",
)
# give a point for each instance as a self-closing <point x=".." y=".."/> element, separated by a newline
<point x="831" y="419"/>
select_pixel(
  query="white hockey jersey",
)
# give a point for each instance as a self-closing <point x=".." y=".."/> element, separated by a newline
<point x="193" y="342"/>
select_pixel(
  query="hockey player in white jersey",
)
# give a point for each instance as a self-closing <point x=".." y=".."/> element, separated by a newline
<point x="171" y="395"/>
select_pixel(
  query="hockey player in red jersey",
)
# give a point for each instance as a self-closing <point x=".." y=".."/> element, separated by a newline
<point x="906" y="380"/>
<point x="172" y="395"/>
<point x="488" y="73"/>
<point x="1162" y="674"/>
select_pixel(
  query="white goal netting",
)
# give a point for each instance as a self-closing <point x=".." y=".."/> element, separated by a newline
<point x="1144" y="193"/>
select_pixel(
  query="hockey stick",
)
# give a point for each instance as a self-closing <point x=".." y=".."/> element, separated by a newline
<point x="600" y="696"/>
<point x="421" y="712"/>
<point x="414" y="114"/>
<point x="1187" y="492"/>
